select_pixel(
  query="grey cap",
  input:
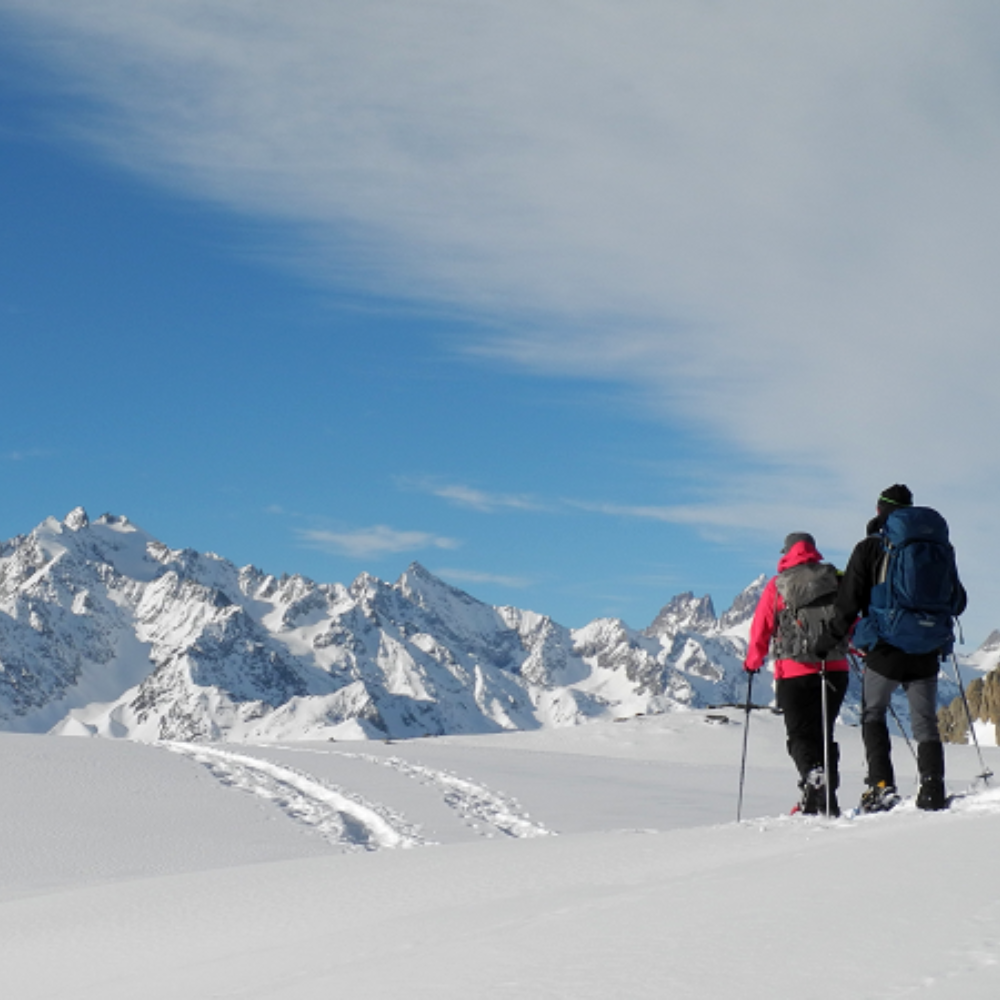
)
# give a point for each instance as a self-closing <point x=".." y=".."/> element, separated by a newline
<point x="797" y="536"/>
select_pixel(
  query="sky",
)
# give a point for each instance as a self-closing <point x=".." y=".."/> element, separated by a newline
<point x="581" y="305"/>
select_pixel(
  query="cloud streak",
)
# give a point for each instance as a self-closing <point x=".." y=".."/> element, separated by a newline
<point x="463" y="495"/>
<point x="473" y="576"/>
<point x="752" y="503"/>
<point x="374" y="542"/>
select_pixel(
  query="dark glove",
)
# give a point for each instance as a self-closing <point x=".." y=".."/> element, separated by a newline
<point x="824" y="645"/>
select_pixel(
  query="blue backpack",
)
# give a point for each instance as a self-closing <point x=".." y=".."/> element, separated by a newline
<point x="917" y="593"/>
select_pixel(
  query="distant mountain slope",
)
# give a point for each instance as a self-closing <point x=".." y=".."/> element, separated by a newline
<point x="983" y="696"/>
<point x="106" y="631"/>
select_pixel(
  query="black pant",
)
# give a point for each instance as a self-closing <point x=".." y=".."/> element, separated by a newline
<point x="801" y="701"/>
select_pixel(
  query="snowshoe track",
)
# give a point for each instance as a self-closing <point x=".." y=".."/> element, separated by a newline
<point x="475" y="803"/>
<point x="342" y="818"/>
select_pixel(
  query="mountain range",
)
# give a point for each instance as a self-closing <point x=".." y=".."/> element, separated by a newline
<point x="106" y="631"/>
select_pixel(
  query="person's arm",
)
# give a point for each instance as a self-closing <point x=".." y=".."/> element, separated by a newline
<point x="762" y="628"/>
<point x="854" y="594"/>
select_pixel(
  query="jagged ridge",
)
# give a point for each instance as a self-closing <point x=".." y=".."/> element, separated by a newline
<point x="104" y="630"/>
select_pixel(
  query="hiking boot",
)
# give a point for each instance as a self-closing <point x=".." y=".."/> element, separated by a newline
<point x="880" y="797"/>
<point x="810" y="786"/>
<point x="813" y="801"/>
<point x="932" y="794"/>
<point x="930" y="765"/>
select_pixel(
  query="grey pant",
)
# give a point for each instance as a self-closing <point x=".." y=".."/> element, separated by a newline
<point x="922" y="696"/>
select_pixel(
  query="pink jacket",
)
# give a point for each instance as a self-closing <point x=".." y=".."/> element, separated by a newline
<point x="765" y="621"/>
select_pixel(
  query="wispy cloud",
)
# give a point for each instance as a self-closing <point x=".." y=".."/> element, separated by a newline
<point x="678" y="514"/>
<point x="23" y="455"/>
<point x="373" y="542"/>
<point x="469" y="496"/>
<point x="472" y="576"/>
<point x="725" y="522"/>
<point x="723" y="506"/>
<point x="734" y="207"/>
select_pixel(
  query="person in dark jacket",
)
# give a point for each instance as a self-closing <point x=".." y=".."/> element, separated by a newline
<point x="799" y="675"/>
<point x="886" y="668"/>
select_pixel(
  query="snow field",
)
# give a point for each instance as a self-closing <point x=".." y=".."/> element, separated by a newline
<point x="593" y="862"/>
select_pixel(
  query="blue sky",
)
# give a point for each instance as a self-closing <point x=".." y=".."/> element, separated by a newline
<point x="579" y="305"/>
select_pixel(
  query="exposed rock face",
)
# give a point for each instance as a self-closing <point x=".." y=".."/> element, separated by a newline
<point x="689" y="614"/>
<point x="684" y="613"/>
<point x="737" y="619"/>
<point x="983" y="695"/>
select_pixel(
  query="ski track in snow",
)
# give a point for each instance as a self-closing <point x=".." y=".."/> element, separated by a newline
<point x="342" y="818"/>
<point x="475" y="803"/>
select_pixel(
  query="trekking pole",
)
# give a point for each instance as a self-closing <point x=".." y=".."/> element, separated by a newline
<point x="746" y="734"/>
<point x="986" y="773"/>
<point x="859" y="673"/>
<point x="826" y="733"/>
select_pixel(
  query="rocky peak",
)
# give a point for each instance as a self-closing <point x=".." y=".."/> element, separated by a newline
<point x="684" y="613"/>
<point x="76" y="519"/>
<point x="114" y="521"/>
<point x="420" y="585"/>
<point x="992" y="643"/>
<point x="419" y="571"/>
<point x="741" y="611"/>
<point x="365" y="586"/>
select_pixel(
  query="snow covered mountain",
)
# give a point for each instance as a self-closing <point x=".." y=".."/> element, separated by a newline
<point x="106" y="631"/>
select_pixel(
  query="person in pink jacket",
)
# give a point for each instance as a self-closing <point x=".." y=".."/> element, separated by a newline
<point x="790" y="617"/>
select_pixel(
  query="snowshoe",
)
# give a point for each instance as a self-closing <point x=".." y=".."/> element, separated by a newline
<point x="880" y="797"/>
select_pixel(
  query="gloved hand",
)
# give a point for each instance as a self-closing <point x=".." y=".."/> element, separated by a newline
<point x="751" y="670"/>
<point x="824" y="645"/>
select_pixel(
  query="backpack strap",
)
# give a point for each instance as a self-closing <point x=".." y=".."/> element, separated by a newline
<point x="882" y="565"/>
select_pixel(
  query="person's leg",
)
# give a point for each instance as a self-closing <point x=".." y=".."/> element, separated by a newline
<point x="922" y="696"/>
<point x="798" y="699"/>
<point x="875" y="731"/>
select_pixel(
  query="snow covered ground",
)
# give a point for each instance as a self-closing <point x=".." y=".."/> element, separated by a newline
<point x="594" y="862"/>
